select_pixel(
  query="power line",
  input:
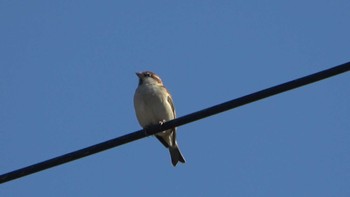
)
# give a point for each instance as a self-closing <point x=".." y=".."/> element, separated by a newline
<point x="175" y="123"/>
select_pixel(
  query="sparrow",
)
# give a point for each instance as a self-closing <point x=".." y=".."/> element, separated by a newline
<point x="153" y="105"/>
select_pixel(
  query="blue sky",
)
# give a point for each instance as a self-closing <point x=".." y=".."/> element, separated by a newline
<point x="67" y="82"/>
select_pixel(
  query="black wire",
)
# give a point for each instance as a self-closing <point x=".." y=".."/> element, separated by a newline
<point x="174" y="123"/>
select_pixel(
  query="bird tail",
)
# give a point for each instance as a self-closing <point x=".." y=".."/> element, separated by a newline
<point x="176" y="155"/>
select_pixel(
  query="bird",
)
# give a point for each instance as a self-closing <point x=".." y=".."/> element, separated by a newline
<point x="154" y="105"/>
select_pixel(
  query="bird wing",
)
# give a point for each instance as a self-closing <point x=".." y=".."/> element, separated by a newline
<point x="170" y="101"/>
<point x="173" y="133"/>
<point x="162" y="141"/>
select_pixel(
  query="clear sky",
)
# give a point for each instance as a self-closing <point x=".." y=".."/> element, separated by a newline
<point x="67" y="79"/>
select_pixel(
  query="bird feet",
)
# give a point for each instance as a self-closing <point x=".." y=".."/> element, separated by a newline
<point x="162" y="122"/>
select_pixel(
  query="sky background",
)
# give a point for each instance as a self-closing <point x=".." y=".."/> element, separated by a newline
<point x="67" y="79"/>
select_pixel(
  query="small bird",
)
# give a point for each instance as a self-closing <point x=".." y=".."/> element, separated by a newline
<point x="154" y="105"/>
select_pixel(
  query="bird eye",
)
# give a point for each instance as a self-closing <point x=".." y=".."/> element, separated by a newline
<point x="147" y="74"/>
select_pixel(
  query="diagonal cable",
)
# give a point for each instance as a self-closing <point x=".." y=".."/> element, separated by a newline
<point x="175" y="123"/>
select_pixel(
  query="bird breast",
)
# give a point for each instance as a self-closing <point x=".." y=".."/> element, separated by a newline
<point x="151" y="105"/>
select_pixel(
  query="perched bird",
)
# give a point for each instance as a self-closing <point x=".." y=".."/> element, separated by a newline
<point x="154" y="105"/>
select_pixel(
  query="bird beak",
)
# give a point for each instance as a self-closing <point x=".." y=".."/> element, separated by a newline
<point x="139" y="74"/>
